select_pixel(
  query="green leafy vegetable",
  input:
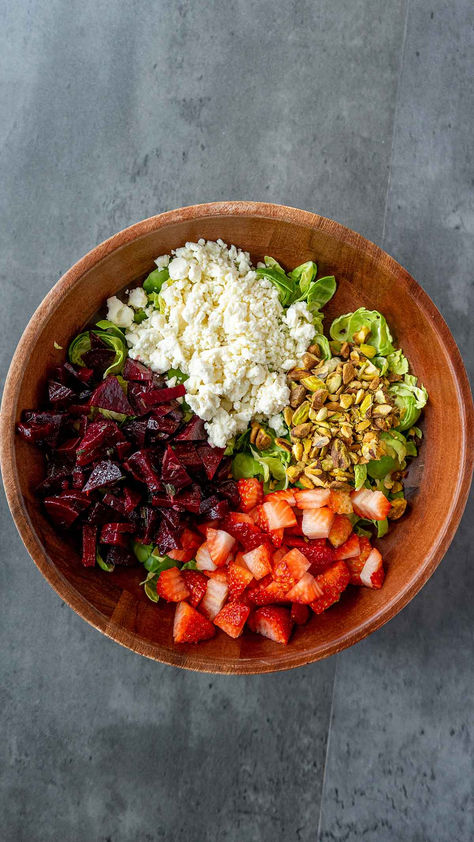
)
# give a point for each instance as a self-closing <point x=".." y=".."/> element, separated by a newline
<point x="156" y="563"/>
<point x="111" y="335"/>
<point x="363" y="533"/>
<point x="103" y="564"/>
<point x="155" y="280"/>
<point x="176" y="372"/>
<point x="286" y="286"/>
<point x="139" y="316"/>
<point x="244" y="466"/>
<point x="379" y="468"/>
<point x="189" y="565"/>
<point x="141" y="551"/>
<point x="344" y="327"/>
<point x="382" y="527"/>
<point x="320" y="292"/>
<point x="360" y="475"/>
<point x="410" y="399"/>
<point x="397" y="362"/>
<point x="304" y="275"/>
<point x="381" y="363"/>
<point x="323" y="343"/>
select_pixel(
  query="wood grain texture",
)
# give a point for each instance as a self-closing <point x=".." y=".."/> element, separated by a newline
<point x="366" y="275"/>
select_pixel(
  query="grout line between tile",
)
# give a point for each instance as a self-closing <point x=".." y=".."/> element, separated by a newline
<point x="395" y="115"/>
<point x="389" y="183"/>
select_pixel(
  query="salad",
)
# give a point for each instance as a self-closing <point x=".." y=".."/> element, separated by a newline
<point x="212" y="434"/>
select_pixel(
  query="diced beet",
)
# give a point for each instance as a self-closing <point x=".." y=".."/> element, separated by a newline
<point x="187" y="454"/>
<point x="166" y="538"/>
<point x="135" y="370"/>
<point x="41" y="427"/>
<point x="121" y="557"/>
<point x="150" y="518"/>
<point x="98" y="359"/>
<point x="223" y="472"/>
<point x="78" y="409"/>
<point x="135" y="430"/>
<point x="213" y="509"/>
<point x="173" y="517"/>
<point x="77" y="374"/>
<point x="157" y="396"/>
<point x="141" y="467"/>
<point x="211" y="458"/>
<point x="193" y="431"/>
<point x="229" y="490"/>
<point x="162" y="501"/>
<point x="109" y="395"/>
<point x="190" y="498"/>
<point x="98" y="514"/>
<point x="105" y="473"/>
<point x="62" y="511"/>
<point x="69" y="447"/>
<point x="123" y="448"/>
<point x="116" y="533"/>
<point x="126" y="503"/>
<point x="59" y="395"/>
<point x="173" y="472"/>
<point x="89" y="539"/>
<point x="98" y="435"/>
<point x="162" y="427"/>
<point x="96" y="340"/>
<point x="78" y="477"/>
<point x="135" y="394"/>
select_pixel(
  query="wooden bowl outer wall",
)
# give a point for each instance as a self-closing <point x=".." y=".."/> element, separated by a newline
<point x="366" y="276"/>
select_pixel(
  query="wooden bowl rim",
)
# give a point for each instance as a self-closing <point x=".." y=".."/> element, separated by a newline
<point x="287" y="659"/>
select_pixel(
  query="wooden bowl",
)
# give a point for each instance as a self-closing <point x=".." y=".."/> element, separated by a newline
<point x="115" y="604"/>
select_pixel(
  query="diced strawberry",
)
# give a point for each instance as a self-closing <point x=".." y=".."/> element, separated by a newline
<point x="356" y="564"/>
<point x="214" y="598"/>
<point x="319" y="553"/>
<point x="311" y="498"/>
<point x="276" y="537"/>
<point x="232" y="618"/>
<point x="317" y="522"/>
<point x="259" y="518"/>
<point x="348" y="549"/>
<point x="367" y="571"/>
<point x="181" y="555"/>
<point x="340" y="530"/>
<point x="340" y="501"/>
<point x="250" y="492"/>
<point x="305" y="591"/>
<point x="209" y="524"/>
<point x="219" y="575"/>
<point x="300" y="613"/>
<point x="295" y="540"/>
<point x="238" y="578"/>
<point x="239" y="559"/>
<point x="172" y="586"/>
<point x="190" y="541"/>
<point x="259" y="561"/>
<point x="332" y="582"/>
<point x="267" y="591"/>
<point x="273" y="622"/>
<point x="279" y="514"/>
<point x="190" y="626"/>
<point x="203" y="558"/>
<point x="196" y="584"/>
<point x="286" y="494"/>
<point x="291" y="568"/>
<point x="219" y="544"/>
<point x="278" y="555"/>
<point x="242" y="527"/>
<point x="370" y="504"/>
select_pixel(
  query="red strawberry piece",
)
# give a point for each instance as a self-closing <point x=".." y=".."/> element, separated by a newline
<point x="190" y="541"/>
<point x="332" y="582"/>
<point x="259" y="561"/>
<point x="242" y="527"/>
<point x="320" y="554"/>
<point x="268" y="591"/>
<point x="287" y="494"/>
<point x="214" y="598"/>
<point x="340" y="502"/>
<point x="311" y="498"/>
<point x="370" y="504"/>
<point x="190" y="626"/>
<point x="219" y="544"/>
<point x="250" y="492"/>
<point x="276" y="537"/>
<point x="238" y="578"/>
<point x="306" y="590"/>
<point x="279" y="514"/>
<point x="219" y="575"/>
<point x="232" y="618"/>
<point x="291" y="568"/>
<point x="300" y="613"/>
<point x="373" y="573"/>
<point x="340" y="530"/>
<point x="196" y="584"/>
<point x="203" y="558"/>
<point x="208" y="524"/>
<point x="273" y="622"/>
<point x="278" y="555"/>
<point x="259" y="518"/>
<point x="171" y="585"/>
<point x="295" y="540"/>
<point x="349" y="549"/>
<point x="317" y="522"/>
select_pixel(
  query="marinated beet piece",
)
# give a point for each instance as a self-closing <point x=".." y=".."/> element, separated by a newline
<point x="69" y="447"/>
<point x="135" y="430"/>
<point x="223" y="472"/>
<point x="58" y="470"/>
<point x="135" y="370"/>
<point x="190" y="499"/>
<point x="213" y="509"/>
<point x="121" y="557"/>
<point x="59" y="395"/>
<point x="98" y="359"/>
<point x="123" y="448"/>
<point x="211" y="458"/>
<point x="98" y="514"/>
<point x="109" y="395"/>
<point x="135" y="394"/>
<point x="173" y="472"/>
<point x="230" y="491"/>
<point x="116" y="533"/>
<point x="126" y="503"/>
<point x="187" y="454"/>
<point x="167" y="538"/>
<point x="193" y="431"/>
<point x="157" y="396"/>
<point x="162" y="427"/>
<point x="99" y="434"/>
<point x="41" y="427"/>
<point x="150" y="518"/>
<point x="173" y="517"/>
<point x="78" y="477"/>
<point x="89" y="540"/>
<point x="77" y="375"/>
<point x="105" y="473"/>
<point x="64" y="509"/>
<point x="163" y="501"/>
<point x="142" y="469"/>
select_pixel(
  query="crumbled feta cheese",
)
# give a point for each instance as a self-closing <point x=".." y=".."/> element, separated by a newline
<point x="118" y="312"/>
<point x="225" y="327"/>
<point x="277" y="424"/>
<point x="137" y="298"/>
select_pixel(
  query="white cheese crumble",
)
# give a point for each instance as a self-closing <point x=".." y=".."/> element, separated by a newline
<point x="225" y="327"/>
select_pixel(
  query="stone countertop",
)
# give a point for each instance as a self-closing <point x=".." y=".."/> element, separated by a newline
<point x="362" y="111"/>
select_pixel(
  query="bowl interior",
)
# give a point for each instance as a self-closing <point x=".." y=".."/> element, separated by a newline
<point x="366" y="276"/>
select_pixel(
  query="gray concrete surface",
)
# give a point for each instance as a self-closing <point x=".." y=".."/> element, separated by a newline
<point x="110" y="112"/>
